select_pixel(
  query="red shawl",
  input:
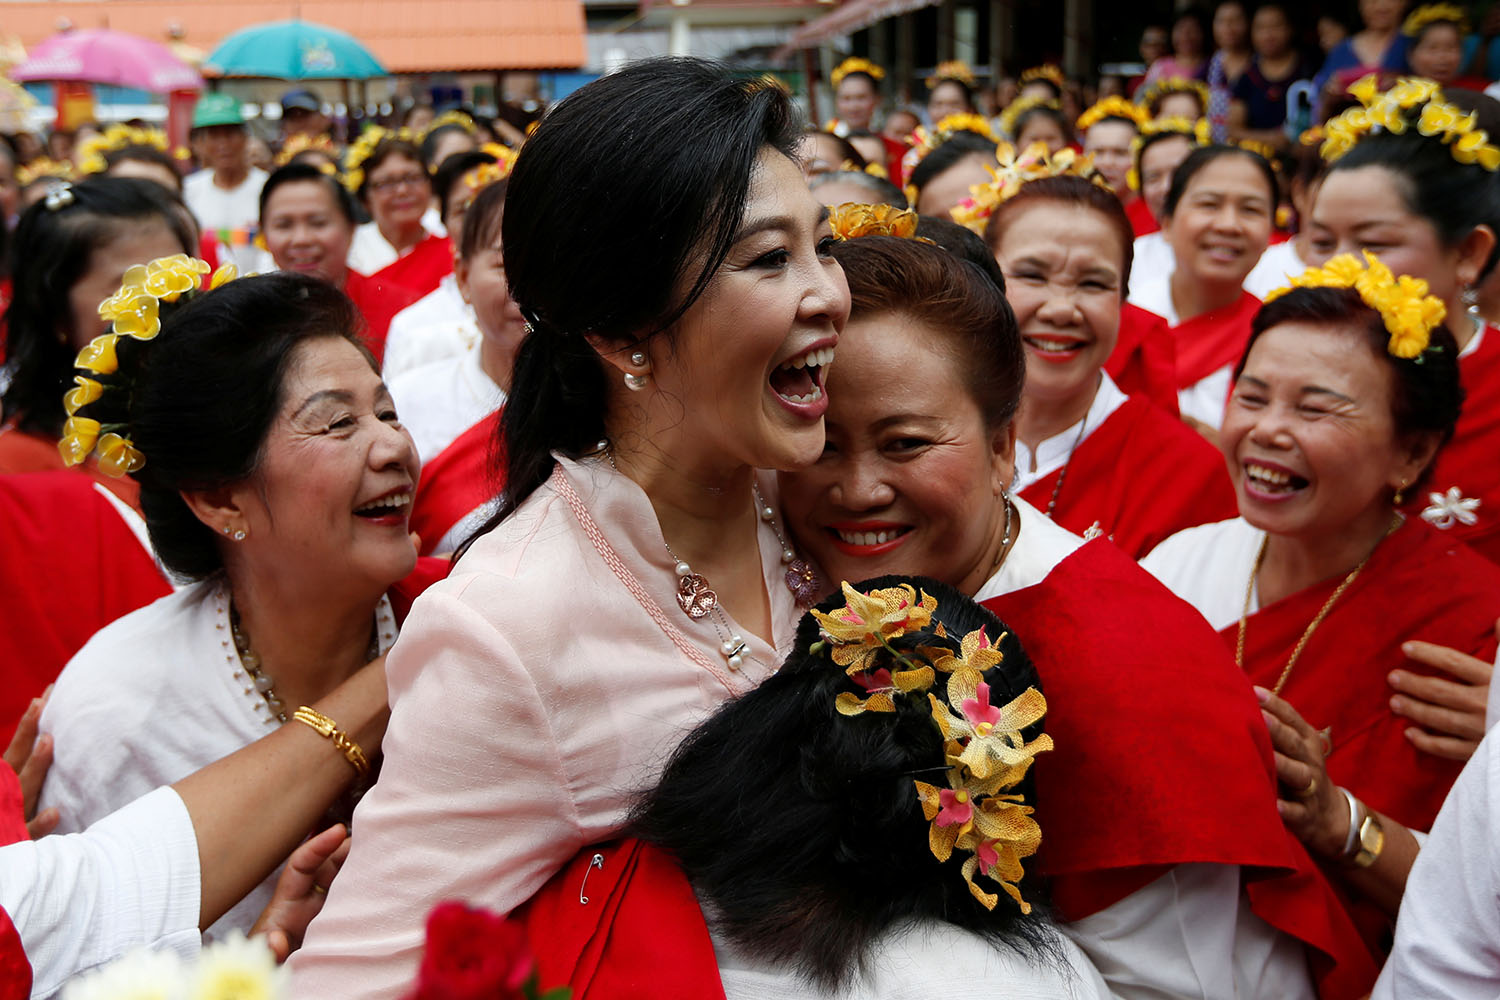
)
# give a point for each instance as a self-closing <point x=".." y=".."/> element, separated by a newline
<point x="1142" y="222"/>
<point x="456" y="482"/>
<point x="1213" y="340"/>
<point x="1470" y="463"/>
<point x="1144" y="361"/>
<point x="21" y="451"/>
<point x="378" y="301"/>
<point x="421" y="268"/>
<point x="1162" y="758"/>
<point x="15" y="971"/>
<point x="1139" y="478"/>
<point x="69" y="565"/>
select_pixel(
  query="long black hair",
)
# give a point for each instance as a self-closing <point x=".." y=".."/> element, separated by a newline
<point x="622" y="207"/>
<point x="800" y="827"/>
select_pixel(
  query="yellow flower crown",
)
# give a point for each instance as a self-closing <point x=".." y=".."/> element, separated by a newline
<point x="462" y="119"/>
<point x="1114" y="107"/>
<point x="91" y="152"/>
<point x="1435" y="13"/>
<point x="1264" y="150"/>
<point x="983" y="746"/>
<point x="1174" y="85"/>
<point x="854" y="64"/>
<point x="1050" y="72"/>
<point x="852" y="220"/>
<point x="1412" y="102"/>
<point x="133" y="311"/>
<point x="1015" y="109"/>
<point x="1409" y="313"/>
<point x="924" y="142"/>
<point x="482" y="176"/>
<point x="873" y="169"/>
<point x="364" y="147"/>
<point x="953" y="69"/>
<point x="1012" y="172"/>
<point x="1198" y="131"/>
<point x="301" y="143"/>
<point x="42" y="167"/>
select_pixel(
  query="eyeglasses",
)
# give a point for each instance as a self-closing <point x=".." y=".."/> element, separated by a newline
<point x="392" y="183"/>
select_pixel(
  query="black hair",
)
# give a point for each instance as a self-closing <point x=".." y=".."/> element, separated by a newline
<point x="431" y="139"/>
<point x="1452" y="196"/>
<point x="882" y="191"/>
<point x="1427" y="394"/>
<point x="861" y="74"/>
<point x="1073" y="191"/>
<point x="1202" y="157"/>
<point x="385" y="149"/>
<point x="800" y="828"/>
<point x="483" y="220"/>
<point x="144" y="154"/>
<point x="682" y="137"/>
<point x="846" y="148"/>
<point x="199" y="399"/>
<point x="937" y="81"/>
<point x="294" y="173"/>
<point x="1138" y="149"/>
<point x="51" y="253"/>
<point x="451" y="171"/>
<point x="955" y="148"/>
<point x="963" y="243"/>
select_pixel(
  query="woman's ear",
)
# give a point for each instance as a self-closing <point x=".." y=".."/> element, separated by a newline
<point x="621" y="355"/>
<point x="219" y="510"/>
<point x="1473" y="253"/>
<point x="1003" y="458"/>
<point x="461" y="276"/>
<point x="1420" y="450"/>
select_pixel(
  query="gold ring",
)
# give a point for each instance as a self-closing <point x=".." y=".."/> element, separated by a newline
<point x="1310" y="790"/>
<point x="319" y="889"/>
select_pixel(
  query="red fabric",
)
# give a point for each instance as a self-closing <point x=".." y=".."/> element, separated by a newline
<point x="208" y="250"/>
<point x="24" y="452"/>
<point x="69" y="565"/>
<point x="378" y="301"/>
<point x="1470" y="462"/>
<point x="12" y="811"/>
<point x="15" y="971"/>
<point x="1144" y="361"/>
<point x="420" y="270"/>
<point x="456" y="482"/>
<point x="427" y="572"/>
<point x="1217" y="338"/>
<point x="895" y="150"/>
<point x="1162" y="758"/>
<point x="1139" y="478"/>
<point x="641" y="933"/>
<point x="1142" y="222"/>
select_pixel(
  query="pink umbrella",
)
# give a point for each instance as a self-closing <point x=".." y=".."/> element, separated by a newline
<point x="111" y="57"/>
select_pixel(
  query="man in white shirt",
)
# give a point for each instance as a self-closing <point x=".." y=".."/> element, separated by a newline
<point x="225" y="195"/>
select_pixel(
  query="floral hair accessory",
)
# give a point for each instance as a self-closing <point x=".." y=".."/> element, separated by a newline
<point x="853" y="220"/>
<point x="462" y="119"/>
<point x="41" y="168"/>
<point x="363" y="148"/>
<point x="1019" y="107"/>
<point x="482" y="176"/>
<point x="1050" y="72"/>
<point x="1410" y="314"/>
<point x="953" y="69"/>
<point x="1264" y="150"/>
<point x="1115" y="107"/>
<point x="1198" y="131"/>
<point x="1412" y="103"/>
<point x="1153" y="94"/>
<point x="92" y="151"/>
<point x="1435" y="13"/>
<point x="300" y="143"/>
<point x="1012" y="171"/>
<point x="984" y="748"/>
<point x="924" y="142"/>
<point x="854" y="64"/>
<point x="133" y="311"/>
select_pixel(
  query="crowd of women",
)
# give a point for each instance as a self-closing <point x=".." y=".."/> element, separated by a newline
<point x="1115" y="618"/>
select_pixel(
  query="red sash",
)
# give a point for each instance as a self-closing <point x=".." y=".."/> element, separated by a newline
<point x="1142" y="222"/>
<point x="378" y="301"/>
<point x="420" y="270"/>
<point x="1139" y="478"/>
<point x="457" y="482"/>
<point x="21" y="451"/>
<point x="1144" y="361"/>
<point x="1162" y="758"/>
<point x="626" y="928"/>
<point x="15" y="971"/>
<point x="1217" y="338"/>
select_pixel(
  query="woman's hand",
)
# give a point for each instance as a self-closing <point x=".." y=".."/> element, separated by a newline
<point x="30" y="758"/>
<point x="301" y="889"/>
<point x="1449" y="713"/>
<point x="1310" y="804"/>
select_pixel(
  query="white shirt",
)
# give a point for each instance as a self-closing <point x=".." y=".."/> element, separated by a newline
<point x="1209" y="567"/>
<point x="926" y="959"/>
<point x="151" y="698"/>
<point x="1190" y="933"/>
<point x="1153" y="263"/>
<point x="231" y="215"/>
<point x="439" y="401"/>
<point x="1053" y="453"/>
<point x="1277" y="266"/>
<point x="1203" y="400"/>
<point x="438" y="325"/>
<point x="1448" y="934"/>
<point x="370" y="252"/>
<point x="82" y="900"/>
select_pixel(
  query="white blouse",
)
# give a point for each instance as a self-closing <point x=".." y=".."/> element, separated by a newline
<point x="438" y="325"/>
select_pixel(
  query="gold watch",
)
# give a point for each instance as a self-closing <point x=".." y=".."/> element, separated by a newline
<point x="1371" y="841"/>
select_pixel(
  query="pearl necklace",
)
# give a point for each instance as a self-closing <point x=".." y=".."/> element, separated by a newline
<point x="259" y="679"/>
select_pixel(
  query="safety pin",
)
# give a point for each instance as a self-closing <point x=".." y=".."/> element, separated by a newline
<point x="597" y="861"/>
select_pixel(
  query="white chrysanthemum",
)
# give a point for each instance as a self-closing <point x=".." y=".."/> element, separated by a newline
<point x="238" y="968"/>
<point x="140" y="975"/>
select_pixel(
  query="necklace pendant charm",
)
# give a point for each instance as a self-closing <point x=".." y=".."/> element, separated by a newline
<point x="802" y="581"/>
<point x="694" y="596"/>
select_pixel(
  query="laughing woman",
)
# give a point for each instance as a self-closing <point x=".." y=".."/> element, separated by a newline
<point x="636" y="574"/>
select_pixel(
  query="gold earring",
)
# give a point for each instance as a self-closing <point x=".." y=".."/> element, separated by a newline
<point x="1400" y="494"/>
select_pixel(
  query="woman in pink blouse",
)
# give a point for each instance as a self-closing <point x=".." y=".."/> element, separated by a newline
<point x="684" y="303"/>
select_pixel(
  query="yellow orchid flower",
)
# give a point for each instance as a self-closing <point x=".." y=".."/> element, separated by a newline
<point x="1411" y="91"/>
<point x="1474" y="147"/>
<point x="99" y="356"/>
<point x="886" y="613"/>
<point x="140" y="318"/>
<point x="168" y="277"/>
<point x="87" y="392"/>
<point x="1365" y="89"/>
<point x="224" y="275"/>
<point x="117" y="456"/>
<point x="882" y="686"/>
<point x="79" y="435"/>
<point x="852" y="220"/>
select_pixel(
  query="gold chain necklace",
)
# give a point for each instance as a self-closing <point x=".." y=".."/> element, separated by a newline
<point x="1239" y="648"/>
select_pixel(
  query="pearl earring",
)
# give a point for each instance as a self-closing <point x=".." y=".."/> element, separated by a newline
<point x="635" y="383"/>
<point x="239" y="536"/>
<point x="638" y="359"/>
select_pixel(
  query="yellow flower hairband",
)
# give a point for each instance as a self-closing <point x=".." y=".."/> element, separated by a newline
<point x="1174" y="85"/>
<point x="482" y="176"/>
<point x="924" y="142"/>
<point x="364" y="147"/>
<point x="1198" y="131"/>
<point x="1050" y="72"/>
<point x="1412" y="103"/>
<point x="873" y="169"/>
<point x="300" y="143"/>
<point x="462" y="119"/>
<point x="134" y="311"/>
<point x="1410" y="314"/>
<point x="1012" y="171"/>
<point x="91" y="152"/>
<point x="983" y="745"/>
<point x="42" y="167"/>
<point x="1435" y="13"/>
<point x="953" y="69"/>
<point x="854" y="64"/>
<point x="1114" y="106"/>
<point x="1019" y="107"/>
<point x="852" y="220"/>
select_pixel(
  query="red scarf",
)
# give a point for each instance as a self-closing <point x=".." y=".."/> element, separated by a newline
<point x="457" y="482"/>
<point x="1144" y="361"/>
<point x="1213" y="340"/>
<point x="422" y="267"/>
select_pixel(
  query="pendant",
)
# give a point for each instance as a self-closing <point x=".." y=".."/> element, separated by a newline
<point x="802" y="581"/>
<point x="694" y="596"/>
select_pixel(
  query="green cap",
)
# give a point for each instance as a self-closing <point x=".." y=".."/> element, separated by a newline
<point x="217" y="109"/>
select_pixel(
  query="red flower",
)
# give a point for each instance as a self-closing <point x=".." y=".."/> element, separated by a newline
<point x="875" y="680"/>
<point x="956" y="808"/>
<point x="473" y="954"/>
<point x="979" y="711"/>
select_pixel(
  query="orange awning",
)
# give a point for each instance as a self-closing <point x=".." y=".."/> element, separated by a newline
<point x="407" y="36"/>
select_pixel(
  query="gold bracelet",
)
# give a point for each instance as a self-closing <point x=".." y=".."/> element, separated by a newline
<point x="324" y="726"/>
